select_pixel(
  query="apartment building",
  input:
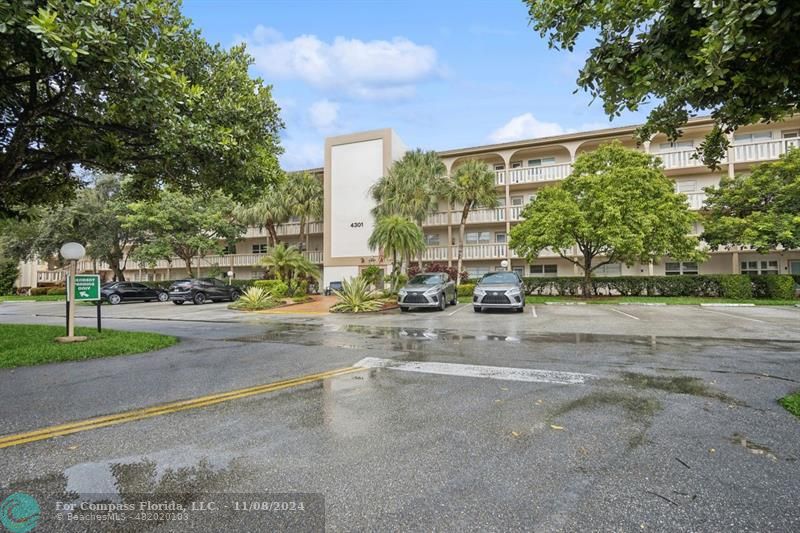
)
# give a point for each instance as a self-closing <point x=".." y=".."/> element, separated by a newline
<point x="338" y="244"/>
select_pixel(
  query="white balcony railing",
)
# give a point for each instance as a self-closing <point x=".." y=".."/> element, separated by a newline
<point x="762" y="150"/>
<point x="437" y="219"/>
<point x="682" y="159"/>
<point x="516" y="212"/>
<point x="435" y="253"/>
<point x="537" y="174"/>
<point x="50" y="276"/>
<point x="497" y="214"/>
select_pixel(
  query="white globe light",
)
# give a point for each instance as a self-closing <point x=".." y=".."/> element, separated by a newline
<point x="504" y="263"/>
<point x="72" y="251"/>
<point x="230" y="273"/>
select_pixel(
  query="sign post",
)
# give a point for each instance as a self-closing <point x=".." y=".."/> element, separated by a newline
<point x="87" y="289"/>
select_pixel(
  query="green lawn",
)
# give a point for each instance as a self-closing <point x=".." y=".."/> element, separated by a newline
<point x="791" y="403"/>
<point x="40" y="298"/>
<point x="25" y="345"/>
<point x="670" y="300"/>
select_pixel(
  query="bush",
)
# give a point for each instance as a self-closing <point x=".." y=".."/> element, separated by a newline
<point x="275" y="287"/>
<point x="9" y="271"/>
<point x="372" y="274"/>
<point x="736" y="286"/>
<point x="779" y="286"/>
<point x="39" y="291"/>
<point x="57" y="291"/>
<point x="465" y="289"/>
<point x="254" y="299"/>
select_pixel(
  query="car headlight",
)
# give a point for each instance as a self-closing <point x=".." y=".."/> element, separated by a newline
<point x="478" y="292"/>
<point x="402" y="292"/>
<point x="512" y="292"/>
<point x="431" y="292"/>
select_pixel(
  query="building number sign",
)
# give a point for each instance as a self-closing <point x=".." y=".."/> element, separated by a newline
<point x="356" y="224"/>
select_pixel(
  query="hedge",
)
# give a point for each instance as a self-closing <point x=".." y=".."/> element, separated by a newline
<point x="735" y="286"/>
<point x="57" y="291"/>
<point x="276" y="288"/>
<point x="465" y="289"/>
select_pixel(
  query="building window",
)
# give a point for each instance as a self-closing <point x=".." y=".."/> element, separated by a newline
<point x="755" y="268"/>
<point x="611" y="269"/>
<point x="517" y="200"/>
<point x="541" y="161"/>
<point x="516" y="164"/>
<point x="499" y="166"/>
<point x="675" y="145"/>
<point x="255" y="274"/>
<point x="500" y="237"/>
<point x="477" y="272"/>
<point x="432" y="239"/>
<point x="478" y="237"/>
<point x="260" y="248"/>
<point x="678" y="268"/>
<point x="687" y="186"/>
<point x="230" y="249"/>
<point x="544" y="270"/>
<point x="752" y="137"/>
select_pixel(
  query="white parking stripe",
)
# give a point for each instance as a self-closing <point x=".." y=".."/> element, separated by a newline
<point x="623" y="313"/>
<point x="478" y="371"/>
<point x="457" y="310"/>
<point x="734" y="316"/>
<point x="533" y="311"/>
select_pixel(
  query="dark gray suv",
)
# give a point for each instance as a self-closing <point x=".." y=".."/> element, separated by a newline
<point x="201" y="291"/>
<point x="499" y="290"/>
<point x="428" y="290"/>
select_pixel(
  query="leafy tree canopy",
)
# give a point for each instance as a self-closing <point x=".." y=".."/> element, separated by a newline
<point x="616" y="206"/>
<point x="737" y="60"/>
<point x="761" y="210"/>
<point x="125" y="86"/>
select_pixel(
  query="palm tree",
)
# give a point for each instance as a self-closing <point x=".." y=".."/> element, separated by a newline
<point x="305" y="193"/>
<point x="396" y="236"/>
<point x="411" y="188"/>
<point x="289" y="263"/>
<point x="472" y="186"/>
<point x="269" y="210"/>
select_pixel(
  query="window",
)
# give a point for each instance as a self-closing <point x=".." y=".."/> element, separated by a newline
<point x="432" y="239"/>
<point x="541" y="161"/>
<point x="519" y="271"/>
<point x="678" y="268"/>
<point x="752" y="137"/>
<point x="687" y="186"/>
<point x="230" y="248"/>
<point x="260" y="248"/>
<point x="517" y="200"/>
<point x="516" y="164"/>
<point x="755" y="268"/>
<point x="500" y="237"/>
<point x="675" y="145"/>
<point x="255" y="274"/>
<point x="611" y="269"/>
<point x="544" y="270"/>
<point x="792" y="134"/>
<point x="501" y="201"/>
<point x="478" y="237"/>
<point x="499" y="166"/>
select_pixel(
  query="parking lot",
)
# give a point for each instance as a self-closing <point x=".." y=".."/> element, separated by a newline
<point x="567" y="417"/>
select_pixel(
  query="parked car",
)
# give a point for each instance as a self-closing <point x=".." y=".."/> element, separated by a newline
<point x="428" y="290"/>
<point x="333" y="286"/>
<point x="499" y="290"/>
<point x="201" y="291"/>
<point x="117" y="292"/>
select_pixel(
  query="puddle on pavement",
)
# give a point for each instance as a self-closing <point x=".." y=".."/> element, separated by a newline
<point x="752" y="447"/>
<point x="674" y="384"/>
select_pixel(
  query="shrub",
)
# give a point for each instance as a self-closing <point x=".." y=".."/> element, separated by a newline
<point x="779" y="286"/>
<point x="465" y="289"/>
<point x="356" y="297"/>
<point x="39" y="291"/>
<point x="736" y="286"/>
<point x="372" y="274"/>
<point x="275" y="287"/>
<point x="57" y="291"/>
<point x="254" y="299"/>
<point x="9" y="271"/>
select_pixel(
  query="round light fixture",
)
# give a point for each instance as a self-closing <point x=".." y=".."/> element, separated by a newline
<point x="72" y="251"/>
<point x="504" y="263"/>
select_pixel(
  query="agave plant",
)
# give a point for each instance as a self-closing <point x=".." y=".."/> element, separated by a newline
<point x="356" y="297"/>
<point x="255" y="298"/>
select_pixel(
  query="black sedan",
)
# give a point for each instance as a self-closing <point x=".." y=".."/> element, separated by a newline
<point x="125" y="291"/>
<point x="201" y="291"/>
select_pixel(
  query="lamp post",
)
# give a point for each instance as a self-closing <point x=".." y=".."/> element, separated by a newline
<point x="230" y="276"/>
<point x="72" y="252"/>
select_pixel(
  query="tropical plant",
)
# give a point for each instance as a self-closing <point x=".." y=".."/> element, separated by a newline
<point x="253" y="299"/>
<point x="356" y="296"/>
<point x="372" y="275"/>
<point x="275" y="287"/>
<point x="270" y="208"/>
<point x="397" y="237"/>
<point x="289" y="264"/>
<point x="736" y="59"/>
<point x="305" y="197"/>
<point x="617" y="204"/>
<point x="472" y="186"/>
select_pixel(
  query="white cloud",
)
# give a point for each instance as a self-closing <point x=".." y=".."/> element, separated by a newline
<point x="323" y="114"/>
<point x="301" y="155"/>
<point x="361" y="69"/>
<point x="525" y="126"/>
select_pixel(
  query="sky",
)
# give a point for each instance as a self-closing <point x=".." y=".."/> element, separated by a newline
<point x="443" y="74"/>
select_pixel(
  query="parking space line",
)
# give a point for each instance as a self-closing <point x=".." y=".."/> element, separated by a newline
<point x="733" y="316"/>
<point x="624" y="313"/>
<point x="458" y="309"/>
<point x="533" y="311"/>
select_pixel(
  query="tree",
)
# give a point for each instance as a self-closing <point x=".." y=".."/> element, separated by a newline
<point x="176" y="224"/>
<point x="616" y="205"/>
<point x="397" y="237"/>
<point x="92" y="218"/>
<point x="270" y="208"/>
<point x="9" y="270"/>
<point x="125" y="86"/>
<point x="736" y="60"/>
<point x="411" y="188"/>
<point x="305" y="195"/>
<point x="761" y="210"/>
<point x="472" y="187"/>
<point x="289" y="264"/>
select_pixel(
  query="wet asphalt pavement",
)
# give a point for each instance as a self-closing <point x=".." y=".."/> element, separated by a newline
<point x="676" y="428"/>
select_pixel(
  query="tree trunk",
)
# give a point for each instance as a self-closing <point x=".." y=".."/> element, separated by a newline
<point x="302" y="233"/>
<point x="461" y="227"/>
<point x="586" y="288"/>
<point x="189" y="267"/>
<point x="119" y="273"/>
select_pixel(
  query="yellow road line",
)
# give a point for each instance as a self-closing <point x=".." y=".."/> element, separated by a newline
<point x="167" y="408"/>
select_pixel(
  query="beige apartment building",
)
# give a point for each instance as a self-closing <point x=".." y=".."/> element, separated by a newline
<point x="338" y="244"/>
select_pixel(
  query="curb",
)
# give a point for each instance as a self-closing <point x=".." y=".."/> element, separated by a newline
<point x="727" y="305"/>
<point x="643" y="303"/>
<point x="564" y="303"/>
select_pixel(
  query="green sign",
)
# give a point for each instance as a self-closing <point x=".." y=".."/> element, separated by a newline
<point x="87" y="287"/>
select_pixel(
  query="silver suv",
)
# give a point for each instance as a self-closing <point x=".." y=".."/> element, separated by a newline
<point x="427" y="290"/>
<point x="499" y="290"/>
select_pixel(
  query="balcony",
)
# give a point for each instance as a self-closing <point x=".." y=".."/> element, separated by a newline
<point x="50" y="276"/>
<point x="536" y="174"/>
<point x="682" y="159"/>
<point x="695" y="200"/>
<point x="751" y="152"/>
<point x="290" y="228"/>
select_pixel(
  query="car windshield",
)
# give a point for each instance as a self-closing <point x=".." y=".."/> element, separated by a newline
<point x="426" y="279"/>
<point x="499" y="278"/>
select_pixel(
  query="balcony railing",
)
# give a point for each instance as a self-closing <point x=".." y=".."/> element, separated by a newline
<point x="762" y="150"/>
<point x="290" y="228"/>
<point x="682" y="159"/>
<point x="50" y="276"/>
<point x="541" y="173"/>
<point x="696" y="200"/>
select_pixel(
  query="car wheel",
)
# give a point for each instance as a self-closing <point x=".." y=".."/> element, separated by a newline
<point x="404" y="309"/>
<point x="199" y="298"/>
<point x="114" y="299"/>
<point x="520" y="309"/>
<point x="235" y="296"/>
<point x="454" y="301"/>
<point x="476" y="309"/>
<point x="163" y="297"/>
<point x="177" y="302"/>
<point x="442" y="302"/>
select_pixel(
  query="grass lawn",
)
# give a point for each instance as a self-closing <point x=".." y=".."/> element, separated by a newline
<point x="791" y="403"/>
<point x="40" y="298"/>
<point x="25" y="345"/>
<point x="670" y="300"/>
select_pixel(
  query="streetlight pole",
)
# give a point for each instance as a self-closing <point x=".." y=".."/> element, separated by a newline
<point x="72" y="252"/>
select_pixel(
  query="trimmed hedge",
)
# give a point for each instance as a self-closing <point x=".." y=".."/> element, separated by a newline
<point x="276" y="288"/>
<point x="39" y="291"/>
<point x="465" y="289"/>
<point x="57" y="291"/>
<point x="734" y="286"/>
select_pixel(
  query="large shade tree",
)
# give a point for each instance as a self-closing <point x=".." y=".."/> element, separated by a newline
<point x="186" y="226"/>
<point x="616" y="207"/>
<point x="761" y="210"/>
<point x="472" y="186"/>
<point x="125" y="86"/>
<point x="737" y="60"/>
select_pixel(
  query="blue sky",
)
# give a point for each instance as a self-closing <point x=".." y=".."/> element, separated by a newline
<point x="443" y="74"/>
